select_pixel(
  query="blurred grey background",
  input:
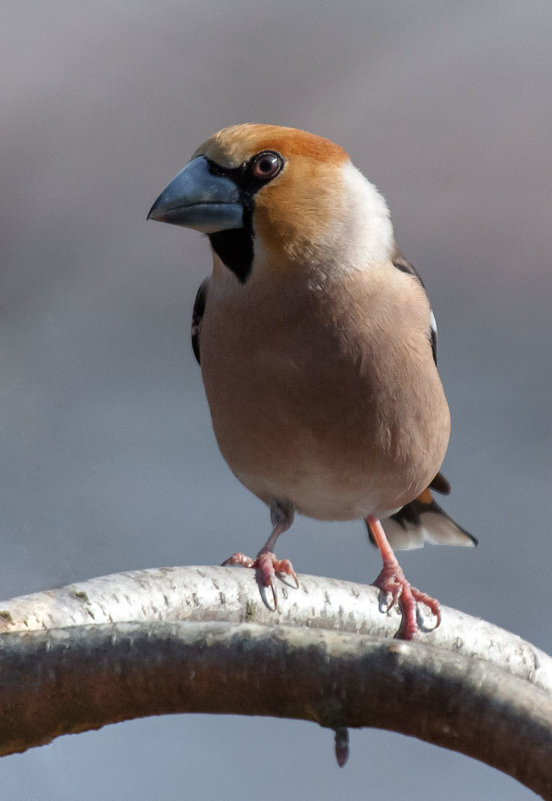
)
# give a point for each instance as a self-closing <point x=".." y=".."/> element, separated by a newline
<point x="107" y="457"/>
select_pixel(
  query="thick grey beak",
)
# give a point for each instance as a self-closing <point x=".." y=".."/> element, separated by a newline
<point x="197" y="199"/>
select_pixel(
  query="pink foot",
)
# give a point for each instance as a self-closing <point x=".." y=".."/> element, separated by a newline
<point x="267" y="565"/>
<point x="393" y="581"/>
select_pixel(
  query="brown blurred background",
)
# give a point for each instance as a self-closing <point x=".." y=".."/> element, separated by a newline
<point x="107" y="457"/>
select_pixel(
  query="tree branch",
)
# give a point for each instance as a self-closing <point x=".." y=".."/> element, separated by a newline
<point x="199" y="639"/>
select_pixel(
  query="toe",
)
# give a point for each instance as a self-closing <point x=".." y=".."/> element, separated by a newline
<point x="285" y="566"/>
<point x="239" y="559"/>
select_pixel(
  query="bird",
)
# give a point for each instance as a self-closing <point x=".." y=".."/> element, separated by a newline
<point x="317" y="346"/>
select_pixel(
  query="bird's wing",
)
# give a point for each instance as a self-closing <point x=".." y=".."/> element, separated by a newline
<point x="440" y="484"/>
<point x="423" y="520"/>
<point x="404" y="266"/>
<point x="197" y="316"/>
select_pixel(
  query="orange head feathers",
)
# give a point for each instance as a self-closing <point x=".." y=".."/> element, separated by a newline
<point x="290" y="198"/>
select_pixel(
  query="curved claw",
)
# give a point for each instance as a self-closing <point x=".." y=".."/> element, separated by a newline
<point x="393" y="581"/>
<point x="392" y="588"/>
<point x="272" y="586"/>
<point x="266" y="566"/>
<point x="431" y="603"/>
<point x="285" y="566"/>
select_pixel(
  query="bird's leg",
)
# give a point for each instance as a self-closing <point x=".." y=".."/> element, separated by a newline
<point x="393" y="581"/>
<point x="265" y="563"/>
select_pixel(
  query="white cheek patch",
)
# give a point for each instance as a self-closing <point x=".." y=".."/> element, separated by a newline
<point x="356" y="231"/>
<point x="367" y="223"/>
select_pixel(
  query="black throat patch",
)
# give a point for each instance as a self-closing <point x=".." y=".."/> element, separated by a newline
<point x="235" y="249"/>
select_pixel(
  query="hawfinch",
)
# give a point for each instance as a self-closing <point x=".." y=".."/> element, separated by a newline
<point x="317" y="346"/>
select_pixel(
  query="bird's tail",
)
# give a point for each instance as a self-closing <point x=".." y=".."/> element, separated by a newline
<point x="422" y="520"/>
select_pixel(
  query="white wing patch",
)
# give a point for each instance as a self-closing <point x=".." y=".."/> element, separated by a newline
<point x="433" y="334"/>
<point x="433" y="323"/>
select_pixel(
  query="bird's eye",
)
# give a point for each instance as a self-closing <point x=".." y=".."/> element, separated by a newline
<point x="266" y="165"/>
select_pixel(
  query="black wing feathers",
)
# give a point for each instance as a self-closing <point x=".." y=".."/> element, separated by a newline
<point x="197" y="316"/>
<point x="440" y="484"/>
<point x="404" y="266"/>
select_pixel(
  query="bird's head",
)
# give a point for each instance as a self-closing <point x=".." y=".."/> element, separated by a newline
<point x="279" y="197"/>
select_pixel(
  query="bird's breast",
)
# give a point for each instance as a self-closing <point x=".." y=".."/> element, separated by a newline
<point x="317" y="397"/>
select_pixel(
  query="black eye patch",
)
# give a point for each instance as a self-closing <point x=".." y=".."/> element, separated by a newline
<point x="235" y="247"/>
<point x="248" y="177"/>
